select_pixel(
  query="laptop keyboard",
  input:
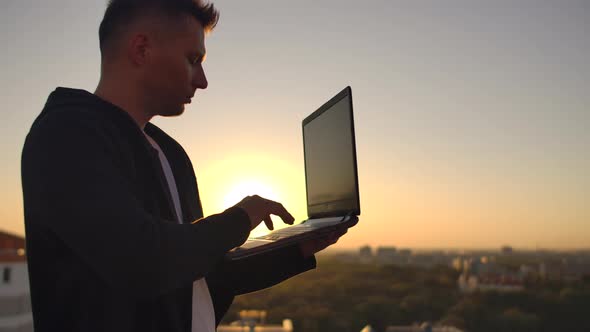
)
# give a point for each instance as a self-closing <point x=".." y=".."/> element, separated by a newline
<point x="286" y="232"/>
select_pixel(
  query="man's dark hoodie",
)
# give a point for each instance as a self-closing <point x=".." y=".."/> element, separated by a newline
<point x="104" y="249"/>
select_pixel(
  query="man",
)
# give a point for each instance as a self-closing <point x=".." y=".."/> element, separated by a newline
<point x="116" y="239"/>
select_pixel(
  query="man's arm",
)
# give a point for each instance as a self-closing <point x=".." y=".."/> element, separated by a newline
<point x="74" y="189"/>
<point x="232" y="278"/>
<point x="262" y="271"/>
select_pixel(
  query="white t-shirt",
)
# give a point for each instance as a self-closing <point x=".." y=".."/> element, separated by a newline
<point x="203" y="317"/>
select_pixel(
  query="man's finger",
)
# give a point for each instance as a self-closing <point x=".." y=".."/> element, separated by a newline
<point x="268" y="222"/>
<point x="279" y="210"/>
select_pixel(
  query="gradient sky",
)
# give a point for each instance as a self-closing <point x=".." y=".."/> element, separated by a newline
<point x="472" y="117"/>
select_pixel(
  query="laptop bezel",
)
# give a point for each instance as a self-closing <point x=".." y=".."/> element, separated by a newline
<point x="326" y="106"/>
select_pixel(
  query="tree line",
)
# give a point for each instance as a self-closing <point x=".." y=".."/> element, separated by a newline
<point x="340" y="296"/>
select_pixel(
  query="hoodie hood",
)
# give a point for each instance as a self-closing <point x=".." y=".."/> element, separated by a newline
<point x="81" y="100"/>
<point x="77" y="99"/>
<point x="68" y="98"/>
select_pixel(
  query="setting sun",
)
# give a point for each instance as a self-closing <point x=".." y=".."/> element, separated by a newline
<point x="248" y="188"/>
<point x="228" y="181"/>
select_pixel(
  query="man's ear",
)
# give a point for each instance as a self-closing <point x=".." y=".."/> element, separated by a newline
<point x="138" y="50"/>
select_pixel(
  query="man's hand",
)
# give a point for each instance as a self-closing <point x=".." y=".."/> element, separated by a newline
<point x="310" y="247"/>
<point x="259" y="209"/>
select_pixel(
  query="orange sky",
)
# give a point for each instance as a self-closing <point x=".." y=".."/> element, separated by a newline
<point x="472" y="118"/>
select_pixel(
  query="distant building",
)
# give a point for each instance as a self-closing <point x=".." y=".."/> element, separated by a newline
<point x="471" y="266"/>
<point x="389" y="256"/>
<point x="255" y="321"/>
<point x="366" y="254"/>
<point x="386" y="254"/>
<point x="506" y="250"/>
<point x="15" y="301"/>
<point x="429" y="259"/>
<point x="405" y="252"/>
<point x="502" y="283"/>
<point x="457" y="264"/>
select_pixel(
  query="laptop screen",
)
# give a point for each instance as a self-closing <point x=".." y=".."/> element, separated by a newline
<point x="330" y="159"/>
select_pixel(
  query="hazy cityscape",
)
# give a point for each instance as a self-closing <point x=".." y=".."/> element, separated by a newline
<point x="387" y="289"/>
<point x="443" y="287"/>
<point x="503" y="265"/>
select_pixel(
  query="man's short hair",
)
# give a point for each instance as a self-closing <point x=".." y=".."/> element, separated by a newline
<point x="120" y="13"/>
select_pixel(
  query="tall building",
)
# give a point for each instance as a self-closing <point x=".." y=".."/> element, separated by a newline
<point x="15" y="300"/>
<point x="506" y="250"/>
<point x="366" y="254"/>
<point x="386" y="255"/>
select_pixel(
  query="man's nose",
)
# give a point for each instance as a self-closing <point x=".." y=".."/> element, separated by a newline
<point x="199" y="79"/>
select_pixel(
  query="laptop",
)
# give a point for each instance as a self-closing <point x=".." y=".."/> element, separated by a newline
<point x="331" y="179"/>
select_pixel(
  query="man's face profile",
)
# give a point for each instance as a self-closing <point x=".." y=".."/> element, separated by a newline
<point x="173" y="69"/>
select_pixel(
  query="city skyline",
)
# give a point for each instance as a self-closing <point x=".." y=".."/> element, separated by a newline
<point x="472" y="119"/>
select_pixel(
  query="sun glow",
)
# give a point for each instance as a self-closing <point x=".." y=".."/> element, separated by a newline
<point x="227" y="181"/>
<point x="248" y="188"/>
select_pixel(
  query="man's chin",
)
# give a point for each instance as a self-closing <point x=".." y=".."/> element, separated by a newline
<point x="175" y="112"/>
